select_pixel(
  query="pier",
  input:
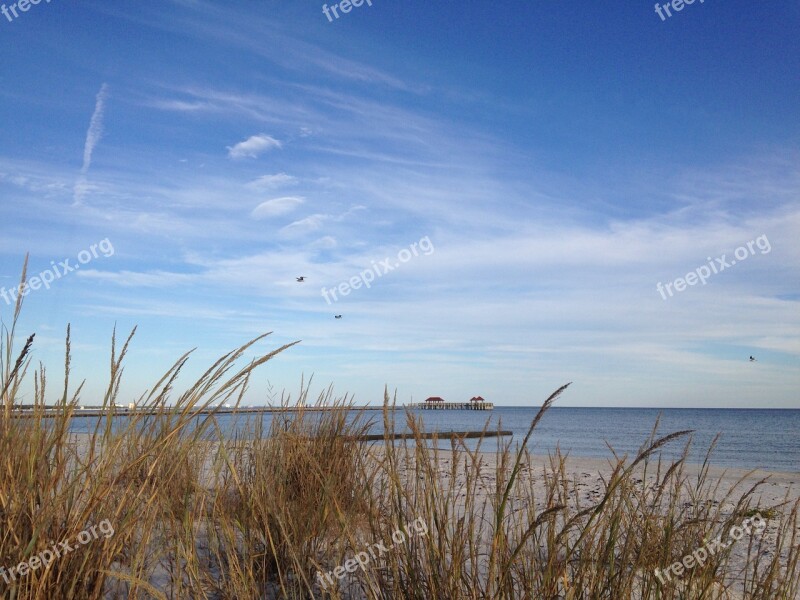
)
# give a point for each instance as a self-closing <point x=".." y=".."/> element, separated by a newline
<point x="130" y="410"/>
<point x="453" y="405"/>
<point x="438" y="403"/>
<point x="435" y="435"/>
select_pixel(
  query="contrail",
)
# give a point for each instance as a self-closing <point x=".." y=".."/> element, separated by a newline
<point x="93" y="136"/>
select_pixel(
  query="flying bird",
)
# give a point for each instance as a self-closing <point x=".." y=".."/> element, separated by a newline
<point x="301" y="279"/>
<point x="338" y="317"/>
<point x="752" y="359"/>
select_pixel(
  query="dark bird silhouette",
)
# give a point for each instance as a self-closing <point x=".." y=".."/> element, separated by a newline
<point x="338" y="317"/>
<point x="301" y="279"/>
<point x="752" y="359"/>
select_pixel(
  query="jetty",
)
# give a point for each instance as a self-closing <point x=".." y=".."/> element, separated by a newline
<point x="435" y="435"/>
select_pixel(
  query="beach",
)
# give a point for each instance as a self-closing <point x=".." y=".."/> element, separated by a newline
<point x="769" y="495"/>
<point x="191" y="505"/>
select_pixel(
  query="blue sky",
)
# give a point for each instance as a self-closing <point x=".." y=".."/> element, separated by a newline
<point x="561" y="159"/>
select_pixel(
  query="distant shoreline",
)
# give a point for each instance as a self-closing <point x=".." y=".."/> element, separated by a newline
<point x="95" y="411"/>
<point x="119" y="411"/>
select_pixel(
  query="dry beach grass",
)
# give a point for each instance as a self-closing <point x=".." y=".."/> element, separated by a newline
<point x="198" y="513"/>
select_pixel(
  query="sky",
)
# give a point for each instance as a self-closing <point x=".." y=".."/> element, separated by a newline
<point x="497" y="197"/>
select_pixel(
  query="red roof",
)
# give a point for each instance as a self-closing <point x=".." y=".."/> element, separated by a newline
<point x="434" y="399"/>
<point x="477" y="399"/>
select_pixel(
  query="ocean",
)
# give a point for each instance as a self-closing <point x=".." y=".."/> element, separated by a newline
<point x="749" y="438"/>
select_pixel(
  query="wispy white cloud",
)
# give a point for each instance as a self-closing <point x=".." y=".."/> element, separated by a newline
<point x="324" y="243"/>
<point x="253" y="146"/>
<point x="181" y="105"/>
<point x="350" y="211"/>
<point x="261" y="108"/>
<point x="276" y="207"/>
<point x="93" y="135"/>
<point x="304" y="226"/>
<point x="316" y="221"/>
<point x="273" y="181"/>
<point x="153" y="279"/>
